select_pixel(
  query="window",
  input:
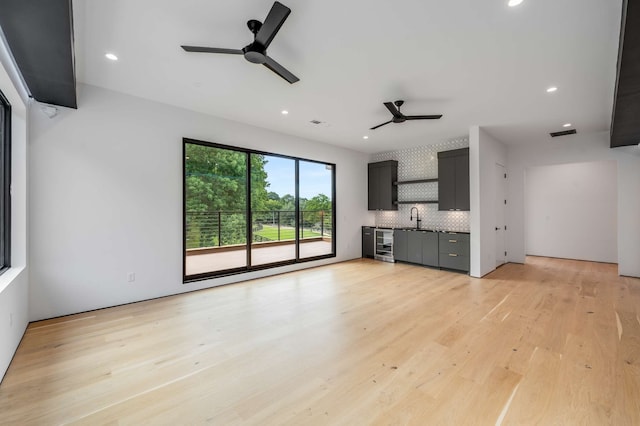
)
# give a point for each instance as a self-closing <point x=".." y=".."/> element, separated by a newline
<point x="5" y="183"/>
<point x="246" y="210"/>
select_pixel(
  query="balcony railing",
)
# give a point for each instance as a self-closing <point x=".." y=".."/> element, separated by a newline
<point x="223" y="228"/>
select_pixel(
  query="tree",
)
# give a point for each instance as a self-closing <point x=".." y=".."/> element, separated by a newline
<point x="216" y="194"/>
<point x="316" y="209"/>
<point x="319" y="202"/>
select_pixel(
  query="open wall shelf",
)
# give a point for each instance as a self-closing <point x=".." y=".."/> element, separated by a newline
<point x="404" y="182"/>
<point x="418" y="202"/>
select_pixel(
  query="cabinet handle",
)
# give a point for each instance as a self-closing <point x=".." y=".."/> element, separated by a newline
<point x="453" y="241"/>
<point x="453" y="255"/>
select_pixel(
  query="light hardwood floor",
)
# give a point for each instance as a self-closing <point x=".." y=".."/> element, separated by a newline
<point x="356" y="343"/>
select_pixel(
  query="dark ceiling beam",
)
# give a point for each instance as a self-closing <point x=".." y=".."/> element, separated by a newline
<point x="40" y="36"/>
<point x="625" y="123"/>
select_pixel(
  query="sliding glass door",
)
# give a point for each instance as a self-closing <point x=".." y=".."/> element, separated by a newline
<point x="273" y="188"/>
<point x="316" y="209"/>
<point x="215" y="209"/>
<point x="290" y="203"/>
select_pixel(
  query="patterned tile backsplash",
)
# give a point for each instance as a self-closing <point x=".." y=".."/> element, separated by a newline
<point x="421" y="163"/>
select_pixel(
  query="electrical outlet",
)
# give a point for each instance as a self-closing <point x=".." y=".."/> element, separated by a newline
<point x="131" y="277"/>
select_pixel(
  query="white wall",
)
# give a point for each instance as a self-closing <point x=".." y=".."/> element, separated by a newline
<point x="484" y="153"/>
<point x="106" y="199"/>
<point x="629" y="211"/>
<point x="578" y="149"/>
<point x="14" y="310"/>
<point x="571" y="211"/>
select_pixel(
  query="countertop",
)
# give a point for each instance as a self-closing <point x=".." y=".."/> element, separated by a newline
<point x="405" y="228"/>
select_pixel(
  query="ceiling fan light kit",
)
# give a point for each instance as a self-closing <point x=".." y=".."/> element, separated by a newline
<point x="263" y="34"/>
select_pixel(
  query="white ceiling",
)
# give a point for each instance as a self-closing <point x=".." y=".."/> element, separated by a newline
<point x="478" y="62"/>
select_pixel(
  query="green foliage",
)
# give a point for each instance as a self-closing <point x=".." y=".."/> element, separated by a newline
<point x="216" y="197"/>
<point x="215" y="179"/>
<point x="319" y="202"/>
<point x="259" y="184"/>
<point x="319" y="209"/>
<point x="215" y="182"/>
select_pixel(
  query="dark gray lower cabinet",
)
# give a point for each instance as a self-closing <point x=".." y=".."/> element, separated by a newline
<point x="415" y="247"/>
<point x="401" y="245"/>
<point x="448" y="250"/>
<point x="454" y="251"/>
<point x="368" y="241"/>
<point x="430" y="249"/>
<point x="420" y="247"/>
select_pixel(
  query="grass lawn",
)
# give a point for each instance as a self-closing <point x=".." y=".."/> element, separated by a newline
<point x="271" y="232"/>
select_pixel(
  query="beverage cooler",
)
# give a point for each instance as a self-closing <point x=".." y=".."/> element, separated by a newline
<point x="384" y="245"/>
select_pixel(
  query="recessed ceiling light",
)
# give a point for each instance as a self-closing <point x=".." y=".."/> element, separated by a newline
<point x="365" y="137"/>
<point x="566" y="125"/>
<point x="552" y="89"/>
<point x="285" y="112"/>
<point x="513" y="3"/>
<point x="111" y="56"/>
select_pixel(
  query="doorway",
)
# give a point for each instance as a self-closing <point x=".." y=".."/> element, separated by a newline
<point x="500" y="209"/>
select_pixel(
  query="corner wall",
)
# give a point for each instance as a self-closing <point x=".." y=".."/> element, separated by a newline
<point x="106" y="199"/>
<point x="484" y="153"/>
<point x="14" y="309"/>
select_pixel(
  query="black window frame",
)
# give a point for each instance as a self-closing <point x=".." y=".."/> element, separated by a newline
<point x="251" y="268"/>
<point x="5" y="184"/>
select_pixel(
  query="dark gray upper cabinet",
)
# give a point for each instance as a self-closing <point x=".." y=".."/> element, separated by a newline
<point x="453" y="180"/>
<point x="446" y="182"/>
<point x="383" y="193"/>
<point x="462" y="182"/>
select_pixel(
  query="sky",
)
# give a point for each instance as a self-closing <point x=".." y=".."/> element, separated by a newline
<point x="314" y="177"/>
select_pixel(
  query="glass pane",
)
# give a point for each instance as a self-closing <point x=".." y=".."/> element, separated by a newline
<point x="215" y="209"/>
<point x="316" y="209"/>
<point x="273" y="188"/>
<point x="3" y="237"/>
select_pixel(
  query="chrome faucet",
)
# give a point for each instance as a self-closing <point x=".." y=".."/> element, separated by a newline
<point x="417" y="217"/>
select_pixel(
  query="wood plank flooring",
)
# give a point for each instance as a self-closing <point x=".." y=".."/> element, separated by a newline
<point x="356" y="343"/>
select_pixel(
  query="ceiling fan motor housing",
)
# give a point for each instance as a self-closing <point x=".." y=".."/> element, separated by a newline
<point x="255" y="53"/>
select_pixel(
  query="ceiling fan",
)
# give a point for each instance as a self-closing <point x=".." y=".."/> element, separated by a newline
<point x="399" y="117"/>
<point x="263" y="34"/>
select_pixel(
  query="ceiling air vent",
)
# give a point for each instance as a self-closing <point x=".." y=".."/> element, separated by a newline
<point x="315" y="122"/>
<point x="563" y="133"/>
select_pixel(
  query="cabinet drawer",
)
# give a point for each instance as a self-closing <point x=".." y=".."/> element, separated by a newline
<point x="452" y="261"/>
<point x="454" y="243"/>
